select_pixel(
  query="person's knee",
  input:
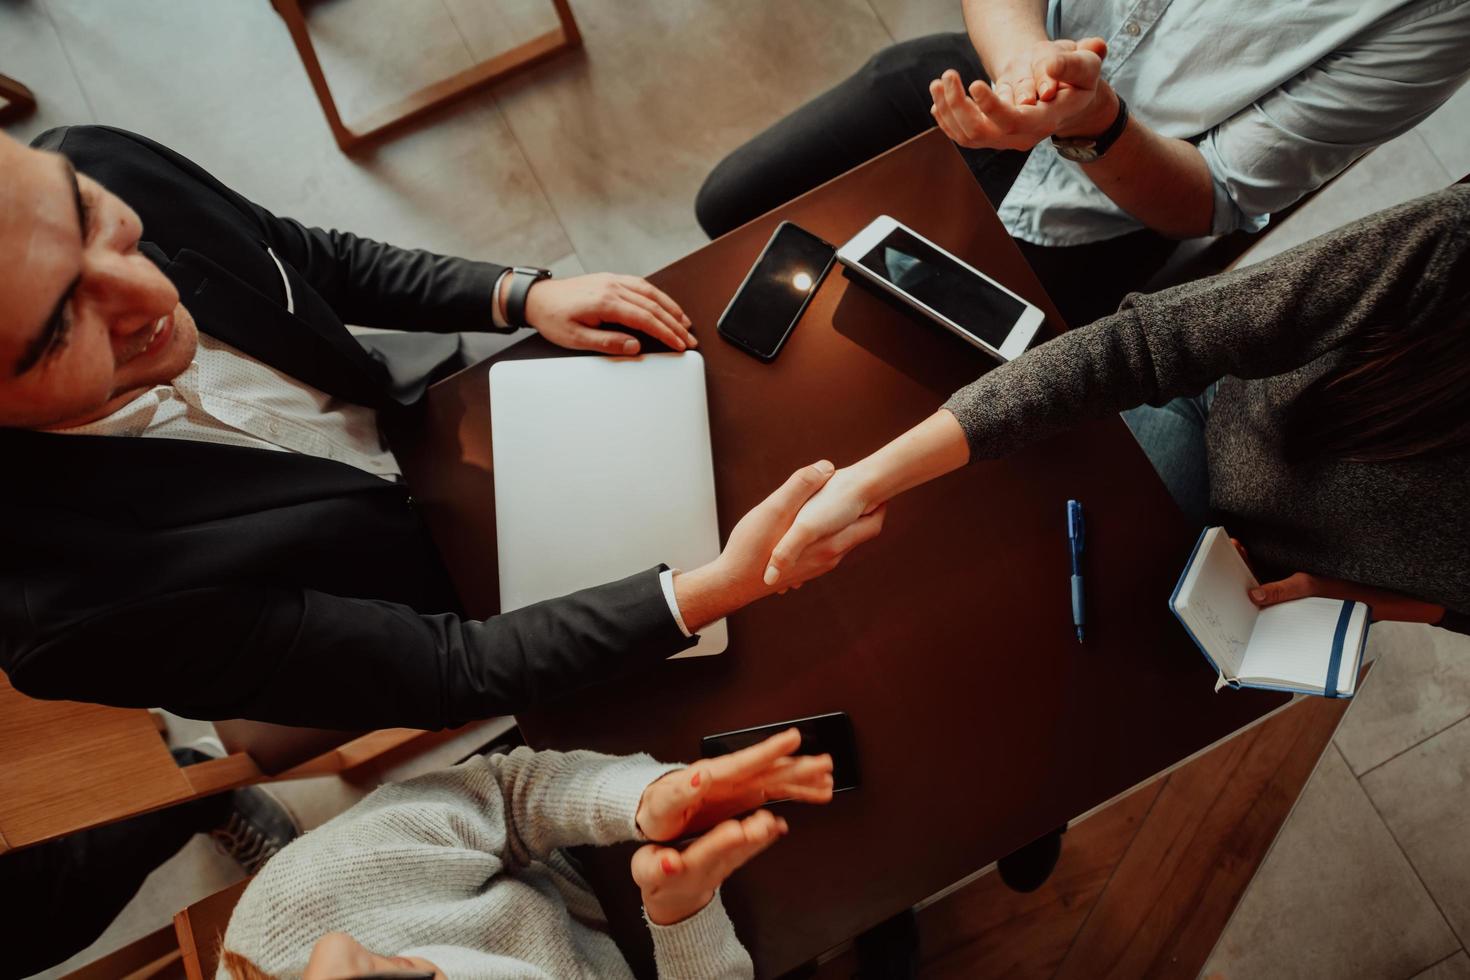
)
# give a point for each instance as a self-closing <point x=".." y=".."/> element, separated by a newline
<point x="717" y="206"/>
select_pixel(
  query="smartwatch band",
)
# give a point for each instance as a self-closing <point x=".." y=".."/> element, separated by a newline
<point x="1082" y="149"/>
<point x="522" y="278"/>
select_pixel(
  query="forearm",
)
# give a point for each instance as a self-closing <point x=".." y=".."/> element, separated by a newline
<point x="701" y="947"/>
<point x="564" y="799"/>
<point x="1165" y="183"/>
<point x="930" y="449"/>
<point x="1004" y="29"/>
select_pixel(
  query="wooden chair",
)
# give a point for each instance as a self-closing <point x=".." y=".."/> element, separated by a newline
<point x="18" y="100"/>
<point x="377" y="124"/>
<point x="200" y="927"/>
<point x="154" y="957"/>
<point x="67" y="766"/>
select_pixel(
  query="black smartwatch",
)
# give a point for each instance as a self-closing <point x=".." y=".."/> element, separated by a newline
<point x="522" y="278"/>
<point x="1085" y="149"/>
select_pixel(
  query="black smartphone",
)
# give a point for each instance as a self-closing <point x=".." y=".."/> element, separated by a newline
<point x="776" y="290"/>
<point x="819" y="733"/>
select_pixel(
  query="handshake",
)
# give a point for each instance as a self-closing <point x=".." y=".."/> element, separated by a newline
<point x="801" y="531"/>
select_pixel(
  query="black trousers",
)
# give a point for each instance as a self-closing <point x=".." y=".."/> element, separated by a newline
<point x="61" y="895"/>
<point x="888" y="102"/>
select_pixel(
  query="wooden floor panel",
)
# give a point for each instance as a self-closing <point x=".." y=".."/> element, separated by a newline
<point x="1145" y="887"/>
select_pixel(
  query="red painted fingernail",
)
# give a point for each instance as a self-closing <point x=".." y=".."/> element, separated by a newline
<point x="668" y="865"/>
<point x="694" y="780"/>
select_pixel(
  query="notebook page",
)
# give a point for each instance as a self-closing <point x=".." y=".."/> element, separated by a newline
<point x="1215" y="603"/>
<point x="1293" y="642"/>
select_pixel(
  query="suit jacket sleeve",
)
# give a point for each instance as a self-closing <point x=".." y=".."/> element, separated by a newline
<point x="367" y="283"/>
<point x="302" y="657"/>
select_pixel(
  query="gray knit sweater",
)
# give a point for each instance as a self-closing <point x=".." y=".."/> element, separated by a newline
<point x="1266" y="332"/>
<point x="463" y="868"/>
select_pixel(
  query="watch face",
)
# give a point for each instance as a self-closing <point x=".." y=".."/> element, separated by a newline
<point x="1081" y="151"/>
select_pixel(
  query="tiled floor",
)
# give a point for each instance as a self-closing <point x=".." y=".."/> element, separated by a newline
<point x="591" y="162"/>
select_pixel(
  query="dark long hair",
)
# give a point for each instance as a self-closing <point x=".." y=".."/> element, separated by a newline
<point x="1393" y="397"/>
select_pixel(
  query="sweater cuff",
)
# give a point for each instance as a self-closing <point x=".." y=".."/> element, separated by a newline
<point x="617" y="793"/>
<point x="703" y="945"/>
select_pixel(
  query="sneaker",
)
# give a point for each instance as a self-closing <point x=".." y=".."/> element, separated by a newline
<point x="258" y="827"/>
<point x="889" y="950"/>
<point x="1027" y="869"/>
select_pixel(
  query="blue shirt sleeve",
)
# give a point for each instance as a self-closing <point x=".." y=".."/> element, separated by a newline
<point x="1298" y="136"/>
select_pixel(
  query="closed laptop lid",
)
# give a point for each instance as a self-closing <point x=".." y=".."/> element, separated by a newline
<point x="602" y="469"/>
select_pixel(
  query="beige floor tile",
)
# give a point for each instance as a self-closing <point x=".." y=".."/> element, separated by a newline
<point x="907" y="19"/>
<point x="1457" y="967"/>
<point x="1447" y="133"/>
<point x="1419" y="685"/>
<point x="1334" y="897"/>
<point x="375" y="52"/>
<point x="1397" y="171"/>
<point x="1424" y="797"/>
<point x="240" y="105"/>
<point x="622" y="134"/>
<point x="196" y="871"/>
<point x="499" y="25"/>
<point x="32" y="54"/>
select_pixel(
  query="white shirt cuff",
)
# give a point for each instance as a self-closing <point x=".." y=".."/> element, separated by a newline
<point x="666" y="579"/>
<point x="495" y="317"/>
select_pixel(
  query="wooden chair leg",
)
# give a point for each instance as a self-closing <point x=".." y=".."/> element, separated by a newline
<point x="290" y="11"/>
<point x="19" y="100"/>
<point x="379" y="123"/>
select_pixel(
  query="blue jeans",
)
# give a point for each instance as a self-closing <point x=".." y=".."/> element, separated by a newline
<point x="1173" y="438"/>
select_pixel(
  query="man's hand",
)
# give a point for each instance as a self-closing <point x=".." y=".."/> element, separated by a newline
<point x="841" y="502"/>
<point x="677" y="884"/>
<point x="736" y="578"/>
<point x="696" y="798"/>
<point x="1076" y="102"/>
<point x="1031" y="77"/>
<point x="1382" y="604"/>
<point x="569" y="313"/>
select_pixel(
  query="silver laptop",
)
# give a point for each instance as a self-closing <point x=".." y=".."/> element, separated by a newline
<point x="602" y="469"/>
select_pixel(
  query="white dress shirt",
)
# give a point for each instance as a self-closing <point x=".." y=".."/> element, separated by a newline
<point x="1279" y="96"/>
<point x="226" y="396"/>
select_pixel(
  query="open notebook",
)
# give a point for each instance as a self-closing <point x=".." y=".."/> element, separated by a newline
<point x="1308" y="646"/>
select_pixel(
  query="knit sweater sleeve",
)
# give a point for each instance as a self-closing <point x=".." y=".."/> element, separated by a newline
<point x="553" y="800"/>
<point x="1405" y="265"/>
<point x="702" y="947"/>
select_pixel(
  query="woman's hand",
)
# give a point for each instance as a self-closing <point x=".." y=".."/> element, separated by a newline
<point x="698" y="797"/>
<point x="677" y="884"/>
<point x="570" y="313"/>
<point x="838" y="504"/>
<point x="734" y="579"/>
<point x="1382" y="604"/>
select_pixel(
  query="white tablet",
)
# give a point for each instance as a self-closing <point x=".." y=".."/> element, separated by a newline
<point x="957" y="296"/>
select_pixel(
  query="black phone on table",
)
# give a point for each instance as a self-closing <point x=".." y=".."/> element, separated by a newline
<point x="830" y="733"/>
<point x="776" y="291"/>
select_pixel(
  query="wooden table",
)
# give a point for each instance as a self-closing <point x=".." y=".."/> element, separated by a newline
<point x="981" y="723"/>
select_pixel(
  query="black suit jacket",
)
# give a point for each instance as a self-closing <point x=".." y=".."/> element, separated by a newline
<point x="224" y="582"/>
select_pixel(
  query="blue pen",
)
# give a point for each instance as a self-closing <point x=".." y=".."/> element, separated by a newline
<point x="1075" y="535"/>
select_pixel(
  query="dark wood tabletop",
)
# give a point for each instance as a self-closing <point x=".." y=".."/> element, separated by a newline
<point x="981" y="722"/>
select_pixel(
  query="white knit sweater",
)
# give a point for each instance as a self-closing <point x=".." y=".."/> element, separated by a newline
<point x="462" y="868"/>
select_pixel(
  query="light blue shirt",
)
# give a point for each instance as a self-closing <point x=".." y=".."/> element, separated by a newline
<point x="1279" y="96"/>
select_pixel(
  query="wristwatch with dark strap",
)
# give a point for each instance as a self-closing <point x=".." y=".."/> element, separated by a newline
<point x="1085" y="149"/>
<point x="522" y="278"/>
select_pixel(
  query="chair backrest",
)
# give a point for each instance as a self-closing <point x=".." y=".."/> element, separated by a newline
<point x="201" y="927"/>
<point x="67" y="766"/>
